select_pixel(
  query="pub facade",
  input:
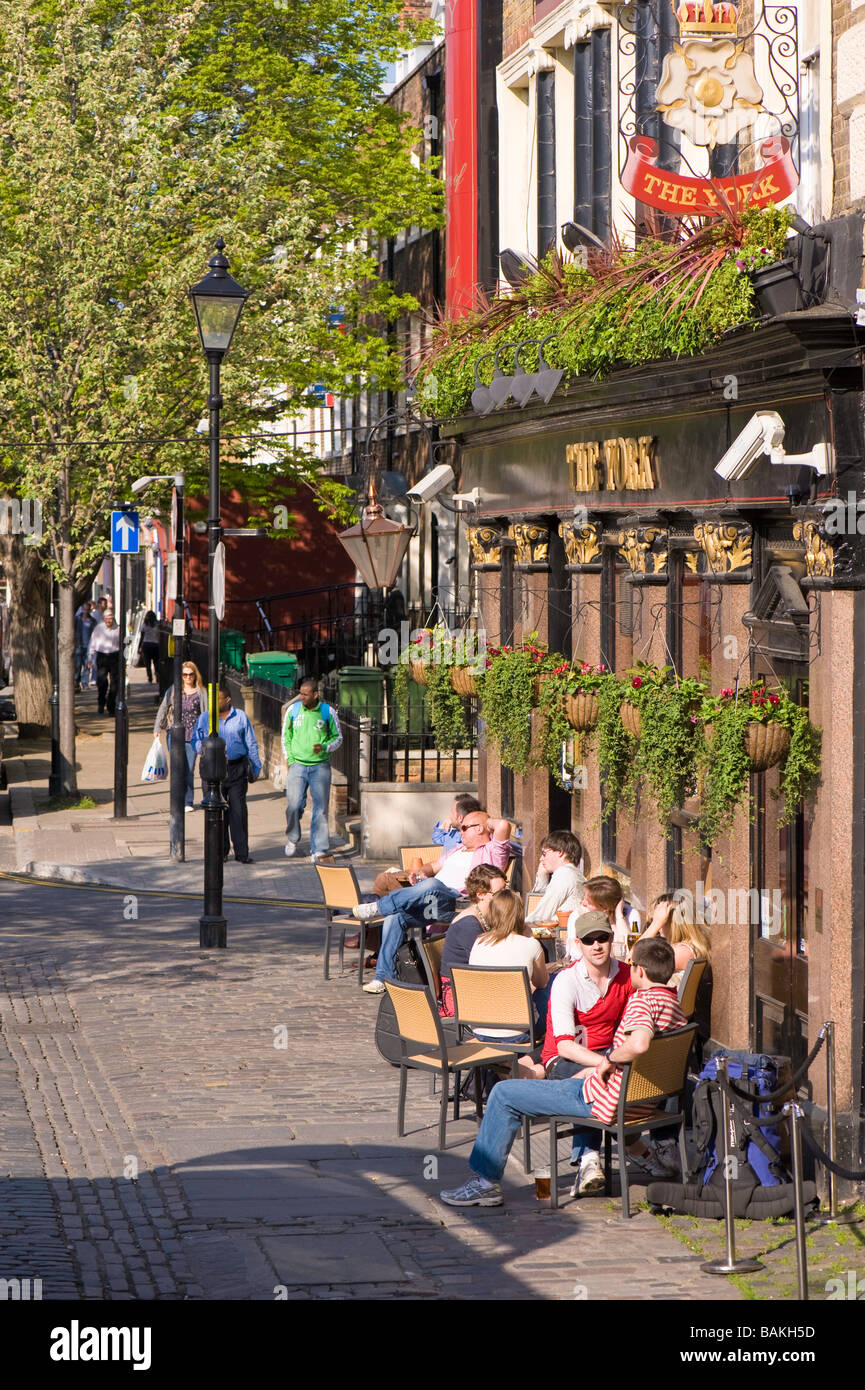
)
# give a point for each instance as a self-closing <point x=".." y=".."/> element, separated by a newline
<point x="604" y="527"/>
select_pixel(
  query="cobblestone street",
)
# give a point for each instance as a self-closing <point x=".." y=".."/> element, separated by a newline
<point x="127" y="1052"/>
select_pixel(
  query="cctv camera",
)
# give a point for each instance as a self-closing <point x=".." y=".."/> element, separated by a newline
<point x="431" y="484"/>
<point x="763" y="434"/>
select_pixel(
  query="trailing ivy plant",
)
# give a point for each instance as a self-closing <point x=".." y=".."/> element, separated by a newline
<point x="725" y="764"/>
<point x="554" y="728"/>
<point x="666" y="752"/>
<point x="508" y="695"/>
<point x="615" y="749"/>
<point x="446" y="709"/>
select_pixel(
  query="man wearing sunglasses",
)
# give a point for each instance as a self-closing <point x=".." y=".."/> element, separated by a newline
<point x="653" y="1008"/>
<point x="586" y="1004"/>
<point x="434" y="890"/>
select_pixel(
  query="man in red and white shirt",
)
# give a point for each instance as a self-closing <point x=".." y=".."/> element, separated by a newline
<point x="653" y="1008"/>
<point x="587" y="1001"/>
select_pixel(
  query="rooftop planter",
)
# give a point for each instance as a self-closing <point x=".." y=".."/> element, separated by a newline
<point x="665" y="299"/>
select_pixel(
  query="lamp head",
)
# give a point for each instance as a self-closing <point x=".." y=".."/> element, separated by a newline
<point x="217" y="302"/>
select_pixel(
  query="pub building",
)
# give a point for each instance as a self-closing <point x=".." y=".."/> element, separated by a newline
<point x="604" y="527"/>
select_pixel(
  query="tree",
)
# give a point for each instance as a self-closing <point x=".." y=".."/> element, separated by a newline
<point x="131" y="136"/>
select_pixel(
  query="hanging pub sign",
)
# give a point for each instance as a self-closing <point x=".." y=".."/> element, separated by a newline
<point x="710" y="95"/>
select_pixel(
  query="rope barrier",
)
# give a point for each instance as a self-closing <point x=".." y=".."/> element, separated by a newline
<point x="783" y="1092"/>
<point x="851" y="1174"/>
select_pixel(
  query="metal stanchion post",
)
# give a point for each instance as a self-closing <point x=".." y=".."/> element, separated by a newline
<point x="795" y="1113"/>
<point x="730" y="1265"/>
<point x="829" y="1029"/>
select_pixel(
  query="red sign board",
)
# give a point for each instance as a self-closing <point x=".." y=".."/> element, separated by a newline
<point x="685" y="195"/>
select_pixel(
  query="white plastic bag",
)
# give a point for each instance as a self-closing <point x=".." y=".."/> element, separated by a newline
<point x="155" y="764"/>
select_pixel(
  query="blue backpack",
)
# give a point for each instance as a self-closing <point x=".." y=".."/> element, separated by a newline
<point x="761" y="1185"/>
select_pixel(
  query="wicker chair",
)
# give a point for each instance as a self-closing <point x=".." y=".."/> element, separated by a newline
<point x="657" y="1074"/>
<point x="424" y="1048"/>
<point x="427" y="854"/>
<point x="689" y="985"/>
<point x="340" y="891"/>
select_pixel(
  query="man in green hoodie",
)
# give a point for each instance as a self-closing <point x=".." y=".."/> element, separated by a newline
<point x="310" y="733"/>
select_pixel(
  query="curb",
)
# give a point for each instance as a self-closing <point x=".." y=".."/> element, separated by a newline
<point x="70" y="873"/>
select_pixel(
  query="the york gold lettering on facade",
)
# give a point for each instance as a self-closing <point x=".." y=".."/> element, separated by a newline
<point x="613" y="465"/>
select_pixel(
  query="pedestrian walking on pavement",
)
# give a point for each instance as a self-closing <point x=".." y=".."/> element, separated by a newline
<point x="194" y="704"/>
<point x="150" y="644"/>
<point x="104" y="650"/>
<point x="85" y="622"/>
<point x="310" y="734"/>
<point x="244" y="765"/>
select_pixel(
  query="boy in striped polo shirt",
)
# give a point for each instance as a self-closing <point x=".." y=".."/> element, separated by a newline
<point x="653" y="1008"/>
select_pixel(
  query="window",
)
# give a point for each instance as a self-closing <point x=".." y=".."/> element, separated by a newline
<point x="592" y="143"/>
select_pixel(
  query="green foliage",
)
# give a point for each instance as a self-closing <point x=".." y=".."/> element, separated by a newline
<point x="615" y="749"/>
<point x="725" y="764"/>
<point x="436" y="648"/>
<point x="446" y="709"/>
<point x="666" y="753"/>
<point x="132" y="136"/>
<point x="553" y="727"/>
<point x="508" y="693"/>
<point x="661" y="301"/>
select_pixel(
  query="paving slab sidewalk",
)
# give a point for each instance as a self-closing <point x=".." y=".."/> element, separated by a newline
<point x="90" y="846"/>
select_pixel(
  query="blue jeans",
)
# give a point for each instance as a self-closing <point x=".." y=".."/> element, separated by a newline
<point x="509" y="1101"/>
<point x="314" y="777"/>
<point x="418" y="904"/>
<point x="189" y="794"/>
<point x="82" y="676"/>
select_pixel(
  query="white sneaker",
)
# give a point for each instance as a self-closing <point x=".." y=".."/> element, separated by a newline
<point x="290" y="849"/>
<point x="374" y="987"/>
<point x="317" y="858"/>
<point x="590" y="1177"/>
<point x="364" y="912"/>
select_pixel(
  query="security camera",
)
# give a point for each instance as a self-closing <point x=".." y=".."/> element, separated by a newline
<point x="431" y="484"/>
<point x="764" y="434"/>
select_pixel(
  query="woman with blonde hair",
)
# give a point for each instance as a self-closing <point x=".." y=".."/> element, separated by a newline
<point x="673" y="919"/>
<point x="508" y="941"/>
<point x="194" y="703"/>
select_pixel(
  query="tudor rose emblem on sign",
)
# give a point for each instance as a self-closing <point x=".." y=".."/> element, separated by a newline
<point x="709" y="91"/>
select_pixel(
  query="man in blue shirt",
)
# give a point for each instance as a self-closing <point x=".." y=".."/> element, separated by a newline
<point x="240" y="746"/>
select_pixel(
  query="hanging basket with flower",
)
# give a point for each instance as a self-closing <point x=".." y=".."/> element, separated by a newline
<point x="514" y="683"/>
<point x="749" y="730"/>
<point x="660" y="715"/>
<point x="430" y="661"/>
<point x="569" y="701"/>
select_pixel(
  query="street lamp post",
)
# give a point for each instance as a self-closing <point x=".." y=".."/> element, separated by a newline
<point x="217" y="301"/>
<point x="121" y="710"/>
<point x="177" y="750"/>
<point x="55" y="780"/>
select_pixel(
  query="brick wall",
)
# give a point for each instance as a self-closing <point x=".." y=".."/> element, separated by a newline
<point x="848" y="119"/>
<point x="518" y="16"/>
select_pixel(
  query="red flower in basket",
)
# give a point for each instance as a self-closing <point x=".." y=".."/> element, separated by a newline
<point x="636" y="682"/>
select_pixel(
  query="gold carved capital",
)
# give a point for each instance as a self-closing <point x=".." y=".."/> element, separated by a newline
<point x="819" y="557"/>
<point x="645" y="550"/>
<point x="485" y="543"/>
<point x="532" y="543"/>
<point x="582" y="543"/>
<point x="727" y="546"/>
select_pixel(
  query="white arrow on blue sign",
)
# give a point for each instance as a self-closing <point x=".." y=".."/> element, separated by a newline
<point x="124" y="533"/>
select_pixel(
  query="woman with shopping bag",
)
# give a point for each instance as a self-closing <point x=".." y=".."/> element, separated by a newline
<point x="194" y="704"/>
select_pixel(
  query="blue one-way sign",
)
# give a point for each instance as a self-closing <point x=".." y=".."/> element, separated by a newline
<point x="124" y="533"/>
